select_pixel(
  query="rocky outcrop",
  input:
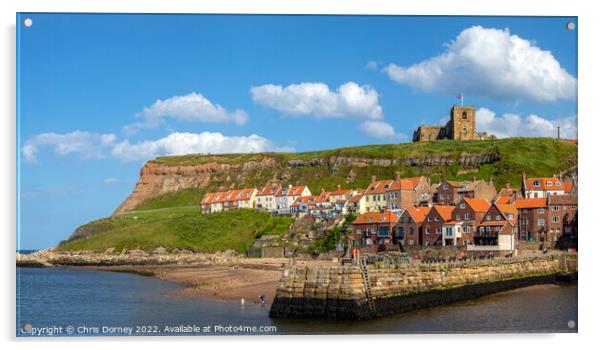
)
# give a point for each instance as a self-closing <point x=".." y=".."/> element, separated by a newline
<point x="157" y="178"/>
<point x="159" y="256"/>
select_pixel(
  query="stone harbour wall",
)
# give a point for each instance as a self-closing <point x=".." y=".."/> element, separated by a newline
<point x="338" y="292"/>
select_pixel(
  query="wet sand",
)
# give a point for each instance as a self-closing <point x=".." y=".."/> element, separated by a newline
<point x="226" y="283"/>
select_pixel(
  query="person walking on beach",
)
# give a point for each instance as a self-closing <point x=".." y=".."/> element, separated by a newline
<point x="262" y="299"/>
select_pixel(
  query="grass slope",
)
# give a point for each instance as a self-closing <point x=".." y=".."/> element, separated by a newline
<point x="182" y="228"/>
<point x="534" y="156"/>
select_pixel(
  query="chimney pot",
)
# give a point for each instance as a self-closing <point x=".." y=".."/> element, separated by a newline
<point x="373" y="178"/>
<point x="397" y="175"/>
<point x="338" y="187"/>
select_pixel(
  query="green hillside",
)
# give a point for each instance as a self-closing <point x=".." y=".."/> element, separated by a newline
<point x="534" y="156"/>
<point x="182" y="228"/>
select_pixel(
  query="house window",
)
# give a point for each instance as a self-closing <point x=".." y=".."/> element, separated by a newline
<point x="557" y="183"/>
<point x="498" y="218"/>
<point x="467" y="216"/>
<point x="439" y="230"/>
<point x="445" y="187"/>
<point x="458" y="216"/>
<point x="510" y="216"/>
<point x="541" y="211"/>
<point x="436" y="218"/>
<point x="410" y="242"/>
<point x="555" y="208"/>
<point x="488" y="217"/>
<point x="428" y="219"/>
<point x="428" y="231"/>
<point x="555" y="218"/>
<point x="462" y="205"/>
<point x="549" y="183"/>
<point x="535" y="195"/>
<point x="442" y="196"/>
<point x="541" y="222"/>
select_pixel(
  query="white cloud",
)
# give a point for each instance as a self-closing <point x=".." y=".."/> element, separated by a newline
<point x="83" y="143"/>
<point x="193" y="107"/>
<point x="493" y="63"/>
<point x="379" y="129"/>
<point x="89" y="145"/>
<point x="373" y="65"/>
<point x="510" y="125"/>
<point x="349" y="100"/>
<point x="111" y="180"/>
<point x="186" y="143"/>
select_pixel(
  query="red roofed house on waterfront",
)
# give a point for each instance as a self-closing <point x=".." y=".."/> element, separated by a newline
<point x="409" y="226"/>
<point x="497" y="231"/>
<point x="374" y="228"/>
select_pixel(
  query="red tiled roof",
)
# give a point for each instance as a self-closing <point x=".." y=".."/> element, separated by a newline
<point x="379" y="187"/>
<point x="508" y="209"/>
<point x="296" y="190"/>
<point x="402" y="185"/>
<point x="445" y="211"/>
<point x="554" y="184"/>
<point x="418" y="213"/>
<point x="478" y="204"/>
<point x="503" y="199"/>
<point x="568" y="187"/>
<point x="567" y="199"/>
<point x="304" y="199"/>
<point x="522" y="203"/>
<point x="268" y="190"/>
<point x="386" y="217"/>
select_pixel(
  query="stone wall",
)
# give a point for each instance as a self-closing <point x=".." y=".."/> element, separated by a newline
<point x="338" y="291"/>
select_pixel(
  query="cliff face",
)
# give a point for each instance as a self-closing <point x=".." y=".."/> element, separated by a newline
<point x="157" y="178"/>
<point x="182" y="180"/>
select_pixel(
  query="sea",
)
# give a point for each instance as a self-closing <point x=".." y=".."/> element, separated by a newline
<point x="61" y="302"/>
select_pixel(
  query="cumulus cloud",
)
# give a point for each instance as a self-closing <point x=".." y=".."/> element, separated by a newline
<point x="89" y="145"/>
<point x="185" y="143"/>
<point x="493" y="63"/>
<point x="379" y="129"/>
<point x="83" y="143"/>
<point x="316" y="99"/>
<point x="193" y="107"/>
<point x="510" y="125"/>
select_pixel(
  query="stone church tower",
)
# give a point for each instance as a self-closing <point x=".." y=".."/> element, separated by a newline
<point x="462" y="123"/>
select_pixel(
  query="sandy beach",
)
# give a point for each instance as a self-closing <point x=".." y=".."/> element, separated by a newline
<point x="226" y="283"/>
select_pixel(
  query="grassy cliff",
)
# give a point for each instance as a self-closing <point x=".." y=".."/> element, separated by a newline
<point x="182" y="228"/>
<point x="513" y="156"/>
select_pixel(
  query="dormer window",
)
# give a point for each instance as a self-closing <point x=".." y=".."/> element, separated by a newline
<point x="549" y="183"/>
<point x="557" y="183"/>
<point x="535" y="183"/>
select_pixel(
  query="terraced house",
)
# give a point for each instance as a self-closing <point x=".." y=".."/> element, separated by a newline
<point x="542" y="187"/>
<point x="436" y="219"/>
<point x="408" y="192"/>
<point x="452" y="192"/>
<point x="466" y="216"/>
<point x="497" y="231"/>
<point x="266" y="197"/>
<point x="409" y="226"/>
<point x="374" y="228"/>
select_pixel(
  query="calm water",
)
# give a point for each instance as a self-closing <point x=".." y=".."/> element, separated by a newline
<point x="50" y="301"/>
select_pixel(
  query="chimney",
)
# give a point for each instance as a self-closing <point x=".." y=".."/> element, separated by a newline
<point x="338" y="187"/>
<point x="373" y="178"/>
<point x="323" y="190"/>
<point x="474" y="179"/>
<point x="507" y="185"/>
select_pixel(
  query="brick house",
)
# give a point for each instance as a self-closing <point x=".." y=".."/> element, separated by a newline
<point x="409" y="226"/>
<point x="532" y="218"/>
<point x="408" y="192"/>
<point x="374" y="228"/>
<point x="432" y="227"/>
<point x="562" y="218"/>
<point x="468" y="214"/>
<point x="497" y="231"/>
<point x="452" y="192"/>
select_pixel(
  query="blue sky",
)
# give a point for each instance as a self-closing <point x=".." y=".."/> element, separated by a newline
<point x="101" y="94"/>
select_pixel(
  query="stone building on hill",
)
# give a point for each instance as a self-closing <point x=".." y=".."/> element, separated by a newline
<point x="461" y="126"/>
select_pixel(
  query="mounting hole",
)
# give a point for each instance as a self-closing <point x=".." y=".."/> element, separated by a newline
<point x="571" y="324"/>
<point x="570" y="26"/>
<point x="27" y="22"/>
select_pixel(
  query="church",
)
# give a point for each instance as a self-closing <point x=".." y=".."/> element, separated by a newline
<point x="461" y="126"/>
